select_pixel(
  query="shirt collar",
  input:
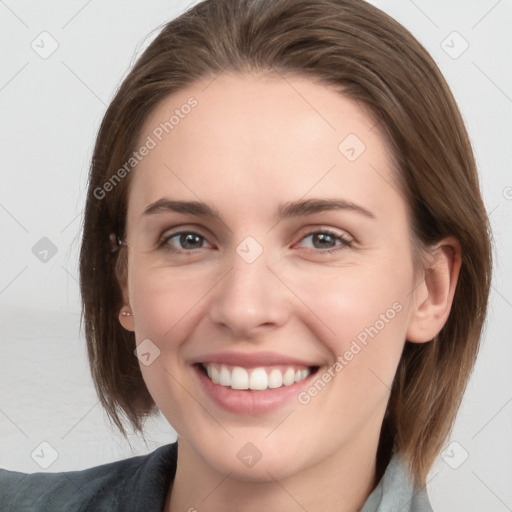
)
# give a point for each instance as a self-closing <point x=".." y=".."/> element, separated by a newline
<point x="396" y="491"/>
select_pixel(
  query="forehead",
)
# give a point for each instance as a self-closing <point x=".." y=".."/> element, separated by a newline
<point x="236" y="140"/>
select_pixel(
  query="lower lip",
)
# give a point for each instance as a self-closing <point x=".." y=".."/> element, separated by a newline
<point x="249" y="402"/>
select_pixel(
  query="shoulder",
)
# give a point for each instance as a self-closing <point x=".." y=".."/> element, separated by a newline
<point x="137" y="483"/>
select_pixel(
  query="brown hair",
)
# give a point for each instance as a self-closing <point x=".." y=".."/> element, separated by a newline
<point x="371" y="59"/>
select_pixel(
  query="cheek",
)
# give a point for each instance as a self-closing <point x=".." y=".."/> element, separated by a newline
<point x="161" y="298"/>
<point x="349" y="301"/>
<point x="165" y="303"/>
<point x="361" y="315"/>
<point x="370" y="331"/>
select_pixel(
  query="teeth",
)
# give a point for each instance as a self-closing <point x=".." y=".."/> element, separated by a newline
<point x="289" y="377"/>
<point x="224" y="377"/>
<point x="214" y="374"/>
<point x="275" y="379"/>
<point x="239" y="378"/>
<point x="257" y="379"/>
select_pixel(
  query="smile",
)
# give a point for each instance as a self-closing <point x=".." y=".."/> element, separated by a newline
<point x="256" y="379"/>
<point x="254" y="383"/>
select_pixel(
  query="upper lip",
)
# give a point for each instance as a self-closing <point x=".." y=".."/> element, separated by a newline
<point x="251" y="360"/>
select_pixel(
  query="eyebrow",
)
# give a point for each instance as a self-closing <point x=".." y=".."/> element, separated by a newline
<point x="298" y="208"/>
<point x="312" y="206"/>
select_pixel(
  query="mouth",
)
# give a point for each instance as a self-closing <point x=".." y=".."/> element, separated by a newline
<point x="260" y="378"/>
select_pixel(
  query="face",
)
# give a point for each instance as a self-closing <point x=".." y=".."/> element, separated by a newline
<point x="269" y="247"/>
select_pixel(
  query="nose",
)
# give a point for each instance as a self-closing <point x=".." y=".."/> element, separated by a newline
<point x="249" y="299"/>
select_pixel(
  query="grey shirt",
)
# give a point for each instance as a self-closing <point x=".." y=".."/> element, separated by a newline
<point x="140" y="484"/>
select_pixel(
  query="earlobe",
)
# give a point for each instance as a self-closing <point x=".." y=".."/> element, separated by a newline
<point x="126" y="318"/>
<point x="433" y="296"/>
<point x="125" y="314"/>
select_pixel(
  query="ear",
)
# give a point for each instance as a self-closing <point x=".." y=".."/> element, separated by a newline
<point x="125" y="313"/>
<point x="433" y="296"/>
<point x="126" y="318"/>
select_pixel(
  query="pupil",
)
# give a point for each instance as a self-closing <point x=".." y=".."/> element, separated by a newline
<point x="187" y="241"/>
<point x="324" y="240"/>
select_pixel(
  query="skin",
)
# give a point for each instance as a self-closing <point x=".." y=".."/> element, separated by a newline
<point x="252" y="143"/>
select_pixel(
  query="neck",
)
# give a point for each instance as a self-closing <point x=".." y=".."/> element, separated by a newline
<point x="342" y="483"/>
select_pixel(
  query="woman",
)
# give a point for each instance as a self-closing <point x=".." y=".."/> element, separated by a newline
<point x="284" y="225"/>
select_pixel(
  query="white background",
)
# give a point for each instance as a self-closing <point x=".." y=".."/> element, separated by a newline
<point x="51" y="110"/>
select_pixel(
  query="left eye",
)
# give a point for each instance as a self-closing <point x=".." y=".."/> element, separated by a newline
<point x="185" y="241"/>
<point x="325" y="240"/>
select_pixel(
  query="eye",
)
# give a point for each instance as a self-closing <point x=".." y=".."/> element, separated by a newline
<point x="326" y="241"/>
<point x="184" y="241"/>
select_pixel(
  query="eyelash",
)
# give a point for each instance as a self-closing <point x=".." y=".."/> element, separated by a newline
<point x="344" y="242"/>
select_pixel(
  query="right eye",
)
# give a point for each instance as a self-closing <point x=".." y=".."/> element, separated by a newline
<point x="183" y="241"/>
